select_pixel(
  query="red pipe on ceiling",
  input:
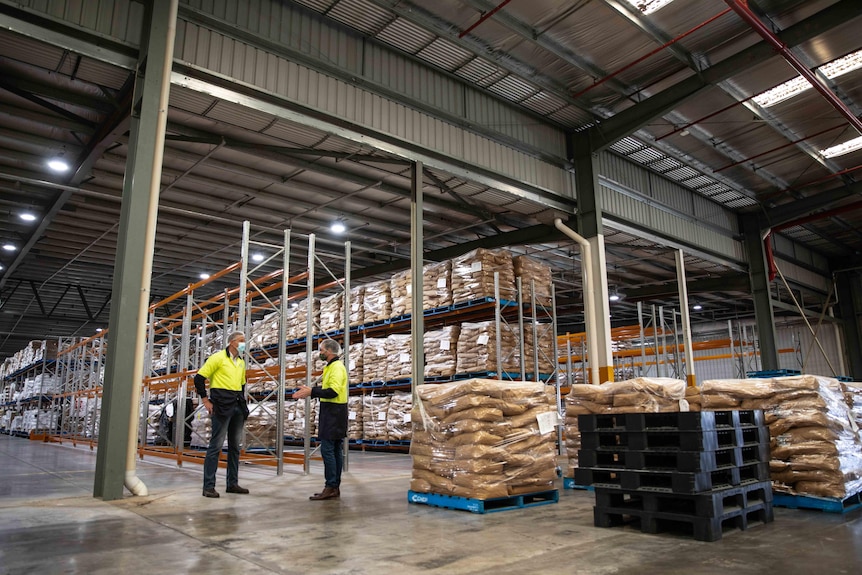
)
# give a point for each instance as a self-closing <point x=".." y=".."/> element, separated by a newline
<point x="484" y="17"/>
<point x="645" y="56"/>
<point x="840" y="211"/>
<point x="811" y="183"/>
<point x="743" y="11"/>
<point x="707" y="117"/>
<point x="781" y="147"/>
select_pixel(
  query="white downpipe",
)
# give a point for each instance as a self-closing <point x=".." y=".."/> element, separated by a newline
<point x="589" y="296"/>
<point x="132" y="482"/>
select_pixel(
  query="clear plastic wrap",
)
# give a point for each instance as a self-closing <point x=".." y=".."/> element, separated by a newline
<point x="398" y="419"/>
<point x="436" y="288"/>
<point x="533" y="274"/>
<point x="377" y="302"/>
<point x="473" y="275"/>
<point x="260" y="427"/>
<point x="815" y="443"/>
<point x="297" y="319"/>
<point x="639" y="395"/>
<point x="357" y="305"/>
<point x="374" y="359"/>
<point x="441" y="347"/>
<point x="546" y="339"/>
<point x="483" y="438"/>
<point x="332" y="312"/>
<point x="375" y="409"/>
<point x="399" y="364"/>
<point x="354" y="417"/>
<point x="400" y="288"/>
<point x="477" y="348"/>
<point x="355" y="372"/>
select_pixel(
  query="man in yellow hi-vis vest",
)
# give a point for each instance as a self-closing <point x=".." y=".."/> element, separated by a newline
<point x="332" y="422"/>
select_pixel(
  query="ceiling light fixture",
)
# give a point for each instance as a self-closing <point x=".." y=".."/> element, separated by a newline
<point x="697" y="307"/>
<point x="797" y="85"/>
<point x="614" y="297"/>
<point x="58" y="165"/>
<point x="841" y="149"/>
<point x="649" y="6"/>
<point x="98" y="330"/>
<point x="27" y="216"/>
<point x="258" y="257"/>
<point x="338" y="226"/>
<point x="9" y="247"/>
<point x="205" y="276"/>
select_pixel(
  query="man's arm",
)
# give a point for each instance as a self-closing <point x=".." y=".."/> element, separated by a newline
<point x="201" y="388"/>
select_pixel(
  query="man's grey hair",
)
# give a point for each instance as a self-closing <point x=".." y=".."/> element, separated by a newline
<point x="235" y="335"/>
<point x="331" y="346"/>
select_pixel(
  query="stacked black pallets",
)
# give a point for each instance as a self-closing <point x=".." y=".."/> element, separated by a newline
<point x="702" y="471"/>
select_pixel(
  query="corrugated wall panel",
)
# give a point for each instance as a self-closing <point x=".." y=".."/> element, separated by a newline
<point x="802" y="275"/>
<point x="627" y="173"/>
<point x="118" y="19"/>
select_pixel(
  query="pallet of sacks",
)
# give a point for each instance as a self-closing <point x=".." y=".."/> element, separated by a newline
<point x="814" y="438"/>
<point x="638" y="395"/>
<point x="482" y="439"/>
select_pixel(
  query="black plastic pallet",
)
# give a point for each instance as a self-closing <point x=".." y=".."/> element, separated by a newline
<point x="716" y="503"/>
<point x="662" y="460"/>
<point x="668" y="440"/>
<point x="701" y="528"/>
<point x="672" y="481"/>
<point x="680" y="421"/>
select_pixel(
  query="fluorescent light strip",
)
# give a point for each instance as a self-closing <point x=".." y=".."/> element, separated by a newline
<point x="799" y="84"/>
<point x="841" y="149"/>
<point x="649" y="6"/>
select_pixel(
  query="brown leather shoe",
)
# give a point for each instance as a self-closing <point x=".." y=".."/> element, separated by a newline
<point x="237" y="489"/>
<point x="327" y="493"/>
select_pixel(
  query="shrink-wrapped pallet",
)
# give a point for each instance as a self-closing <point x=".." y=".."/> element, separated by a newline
<point x="354" y="417"/>
<point x="297" y="319"/>
<point x="332" y="312"/>
<point x="260" y="426"/>
<point x="374" y="359"/>
<point x="398" y="420"/>
<point x="638" y="395"/>
<point x="441" y="347"/>
<point x="473" y="275"/>
<point x="374" y="411"/>
<point x="295" y="416"/>
<point x="264" y="331"/>
<point x="357" y="305"/>
<point x="401" y="290"/>
<point x="533" y="274"/>
<point x="377" y="302"/>
<point x="544" y="333"/>
<point x="815" y="445"/>
<point x="853" y="394"/>
<point x="436" y="288"/>
<point x="398" y="357"/>
<point x="483" y="439"/>
<point x="477" y="348"/>
<point x="356" y="360"/>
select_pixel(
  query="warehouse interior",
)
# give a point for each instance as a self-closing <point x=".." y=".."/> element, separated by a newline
<point x="708" y="152"/>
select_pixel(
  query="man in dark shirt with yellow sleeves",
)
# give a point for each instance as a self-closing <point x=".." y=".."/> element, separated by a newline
<point x="228" y="411"/>
<point x="332" y="422"/>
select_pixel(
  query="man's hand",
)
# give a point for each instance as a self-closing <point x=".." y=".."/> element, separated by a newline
<point x="301" y="393"/>
<point x="208" y="404"/>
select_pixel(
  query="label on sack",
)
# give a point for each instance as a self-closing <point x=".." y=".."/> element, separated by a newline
<point x="351" y="416"/>
<point x="547" y="421"/>
<point x="482" y="339"/>
<point x="381" y="416"/>
<point x="684" y="406"/>
<point x="476" y="267"/>
<point x="405" y="358"/>
<point x="409" y="289"/>
<point x="441" y="282"/>
<point x="444" y="344"/>
<point x="381" y="351"/>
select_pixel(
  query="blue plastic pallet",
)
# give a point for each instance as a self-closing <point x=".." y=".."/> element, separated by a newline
<point x="827" y="504"/>
<point x="772" y="373"/>
<point x="484" y="505"/>
<point x="569" y="483"/>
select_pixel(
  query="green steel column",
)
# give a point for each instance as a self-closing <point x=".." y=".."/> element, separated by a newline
<point x="136" y="238"/>
<point x="758" y="274"/>
<point x="849" y="308"/>
<point x="590" y="227"/>
<point x="417" y="325"/>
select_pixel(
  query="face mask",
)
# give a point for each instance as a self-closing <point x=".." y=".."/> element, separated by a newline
<point x="240" y="348"/>
<point x="322" y="356"/>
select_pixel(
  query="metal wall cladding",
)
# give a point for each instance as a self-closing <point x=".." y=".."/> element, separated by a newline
<point x="224" y="55"/>
<point x="667" y="207"/>
<point x="804" y="276"/>
<point x="785" y="246"/>
<point x="119" y="19"/>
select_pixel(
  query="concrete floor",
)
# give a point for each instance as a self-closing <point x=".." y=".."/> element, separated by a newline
<point x="50" y="523"/>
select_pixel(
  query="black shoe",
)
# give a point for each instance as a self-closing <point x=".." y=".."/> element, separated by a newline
<point x="211" y="493"/>
<point x="237" y="489"/>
